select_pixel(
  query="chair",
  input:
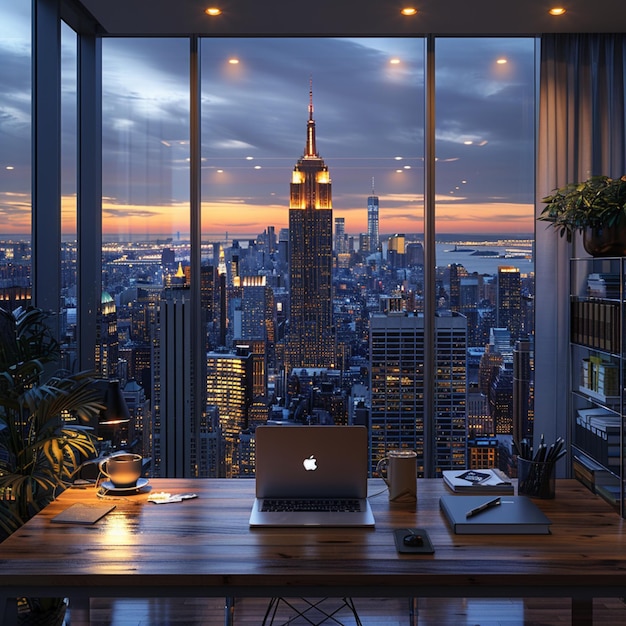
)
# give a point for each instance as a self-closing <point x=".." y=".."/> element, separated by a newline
<point x="310" y="608"/>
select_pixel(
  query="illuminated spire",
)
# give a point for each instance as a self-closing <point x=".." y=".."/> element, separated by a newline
<point x="221" y="266"/>
<point x="180" y="272"/>
<point x="310" y="150"/>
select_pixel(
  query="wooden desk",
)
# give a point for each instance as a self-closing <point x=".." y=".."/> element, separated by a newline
<point x="203" y="547"/>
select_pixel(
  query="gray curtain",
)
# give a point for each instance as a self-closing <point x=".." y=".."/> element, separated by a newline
<point x="581" y="133"/>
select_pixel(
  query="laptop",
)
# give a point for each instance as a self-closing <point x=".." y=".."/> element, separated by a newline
<point x="311" y="476"/>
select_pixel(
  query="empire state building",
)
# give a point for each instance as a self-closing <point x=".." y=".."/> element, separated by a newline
<point x="310" y="340"/>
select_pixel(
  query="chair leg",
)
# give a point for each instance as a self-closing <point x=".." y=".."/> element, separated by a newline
<point x="413" y="612"/>
<point x="229" y="611"/>
<point x="272" y="609"/>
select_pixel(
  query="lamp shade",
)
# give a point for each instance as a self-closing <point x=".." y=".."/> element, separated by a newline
<point x="116" y="411"/>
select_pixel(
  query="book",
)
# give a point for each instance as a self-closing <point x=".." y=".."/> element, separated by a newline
<point x="514" y="515"/>
<point x="83" y="513"/>
<point x="478" y="481"/>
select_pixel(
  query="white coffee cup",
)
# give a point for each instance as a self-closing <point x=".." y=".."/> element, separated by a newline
<point x="399" y="471"/>
<point x="123" y="469"/>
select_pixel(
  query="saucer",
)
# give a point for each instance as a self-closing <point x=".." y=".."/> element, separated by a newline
<point x="111" y="488"/>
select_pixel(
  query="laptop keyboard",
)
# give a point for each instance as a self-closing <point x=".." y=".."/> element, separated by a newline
<point x="334" y="505"/>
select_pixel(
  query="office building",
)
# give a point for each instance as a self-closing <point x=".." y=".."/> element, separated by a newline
<point x="310" y="342"/>
<point x="414" y="253"/>
<point x="229" y="388"/>
<point x="176" y="433"/>
<point x="341" y="240"/>
<point x="395" y="251"/>
<point x="107" y="344"/>
<point x="397" y="387"/>
<point x="509" y="301"/>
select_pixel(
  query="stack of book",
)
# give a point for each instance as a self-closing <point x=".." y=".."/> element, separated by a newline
<point x="599" y="379"/>
<point x="598" y="433"/>
<point x="595" y="323"/>
<point x="603" y="285"/>
<point x="491" y="481"/>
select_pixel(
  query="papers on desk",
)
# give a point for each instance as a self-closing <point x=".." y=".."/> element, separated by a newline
<point x="490" y="481"/>
<point x="480" y="515"/>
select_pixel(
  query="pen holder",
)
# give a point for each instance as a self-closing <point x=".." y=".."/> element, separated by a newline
<point x="535" y="478"/>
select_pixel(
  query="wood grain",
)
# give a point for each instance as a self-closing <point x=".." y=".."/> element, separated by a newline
<point x="204" y="547"/>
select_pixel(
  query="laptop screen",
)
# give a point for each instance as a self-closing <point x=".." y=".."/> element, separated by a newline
<point x="311" y="461"/>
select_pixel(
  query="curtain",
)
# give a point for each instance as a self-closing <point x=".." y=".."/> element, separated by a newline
<point x="582" y="83"/>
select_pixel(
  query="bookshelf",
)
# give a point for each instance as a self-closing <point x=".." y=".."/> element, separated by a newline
<point x="598" y="366"/>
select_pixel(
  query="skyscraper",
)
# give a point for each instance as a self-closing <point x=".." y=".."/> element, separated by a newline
<point x="229" y="388"/>
<point x="509" y="304"/>
<point x="176" y="433"/>
<point x="372" y="220"/>
<point x="310" y="340"/>
<point x="107" y="339"/>
<point x="341" y="243"/>
<point x="397" y="387"/>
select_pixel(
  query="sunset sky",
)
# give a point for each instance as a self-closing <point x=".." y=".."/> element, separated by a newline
<point x="368" y="106"/>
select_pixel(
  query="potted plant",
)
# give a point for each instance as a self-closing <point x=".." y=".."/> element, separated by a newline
<point x="43" y="437"/>
<point x="596" y="208"/>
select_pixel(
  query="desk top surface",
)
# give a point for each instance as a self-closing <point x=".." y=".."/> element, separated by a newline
<point x="207" y="542"/>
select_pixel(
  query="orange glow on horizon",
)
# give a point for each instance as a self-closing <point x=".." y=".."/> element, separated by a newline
<point x="400" y="213"/>
<point x="248" y="220"/>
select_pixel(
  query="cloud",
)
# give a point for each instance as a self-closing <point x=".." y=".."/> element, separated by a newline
<point x="367" y="112"/>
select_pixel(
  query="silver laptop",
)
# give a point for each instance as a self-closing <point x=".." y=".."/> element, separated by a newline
<point x="311" y="476"/>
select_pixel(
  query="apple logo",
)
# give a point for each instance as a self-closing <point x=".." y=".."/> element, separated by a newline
<point x="310" y="463"/>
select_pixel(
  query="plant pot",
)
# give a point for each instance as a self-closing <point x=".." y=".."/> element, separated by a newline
<point x="609" y="241"/>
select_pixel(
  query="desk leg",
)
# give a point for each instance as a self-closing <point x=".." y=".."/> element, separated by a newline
<point x="229" y="612"/>
<point x="8" y="610"/>
<point x="79" y="611"/>
<point x="582" y="612"/>
<point x="413" y="612"/>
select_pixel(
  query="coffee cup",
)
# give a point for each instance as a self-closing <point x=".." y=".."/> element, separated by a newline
<point x="399" y="471"/>
<point x="123" y="469"/>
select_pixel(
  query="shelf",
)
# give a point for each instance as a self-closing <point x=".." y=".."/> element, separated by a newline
<point x="607" y="401"/>
<point x="597" y="425"/>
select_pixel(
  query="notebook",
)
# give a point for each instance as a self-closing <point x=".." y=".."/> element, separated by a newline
<point x="83" y="513"/>
<point x="299" y="464"/>
<point x="494" y="515"/>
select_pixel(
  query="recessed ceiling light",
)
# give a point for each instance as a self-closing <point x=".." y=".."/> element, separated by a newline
<point x="502" y="61"/>
<point x="213" y="11"/>
<point x="10" y="167"/>
<point x="233" y="61"/>
<point x="557" y="11"/>
<point x="394" y="61"/>
<point x="409" y="11"/>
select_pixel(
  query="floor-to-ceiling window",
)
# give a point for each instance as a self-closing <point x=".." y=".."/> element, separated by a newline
<point x="143" y="322"/>
<point x="484" y="221"/>
<point x="15" y="152"/>
<point x="261" y="100"/>
<point x="367" y="105"/>
<point x="69" y="251"/>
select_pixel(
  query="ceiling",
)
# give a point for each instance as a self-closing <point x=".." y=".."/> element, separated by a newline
<point x="352" y="17"/>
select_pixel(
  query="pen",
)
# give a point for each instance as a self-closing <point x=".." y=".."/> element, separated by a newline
<point x="482" y="507"/>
